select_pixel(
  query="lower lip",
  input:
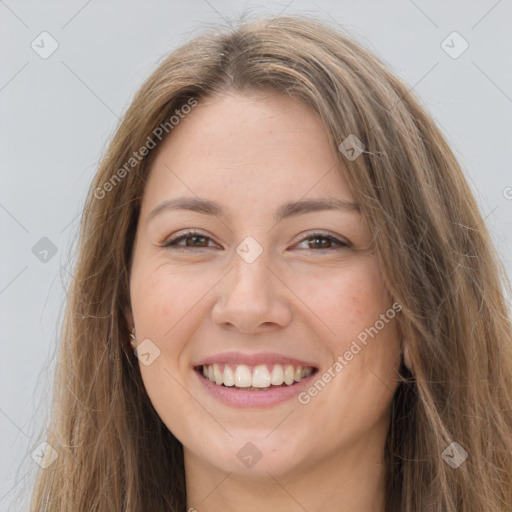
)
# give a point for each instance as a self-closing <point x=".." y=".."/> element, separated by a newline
<point x="236" y="397"/>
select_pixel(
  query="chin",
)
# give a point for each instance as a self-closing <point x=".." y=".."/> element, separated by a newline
<point x="255" y="454"/>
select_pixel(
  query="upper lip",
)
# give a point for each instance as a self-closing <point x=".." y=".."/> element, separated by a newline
<point x="253" y="359"/>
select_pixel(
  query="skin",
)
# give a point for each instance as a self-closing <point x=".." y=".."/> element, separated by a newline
<point x="252" y="153"/>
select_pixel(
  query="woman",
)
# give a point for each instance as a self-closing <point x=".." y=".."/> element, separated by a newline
<point x="284" y="237"/>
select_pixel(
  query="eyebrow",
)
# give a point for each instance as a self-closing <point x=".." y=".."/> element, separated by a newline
<point x="286" y="210"/>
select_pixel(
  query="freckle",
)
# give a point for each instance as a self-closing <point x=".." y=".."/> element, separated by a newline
<point x="355" y="300"/>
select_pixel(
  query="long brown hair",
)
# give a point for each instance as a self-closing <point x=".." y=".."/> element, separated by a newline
<point x="434" y="251"/>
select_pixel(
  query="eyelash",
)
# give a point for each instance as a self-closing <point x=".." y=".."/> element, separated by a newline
<point x="172" y="242"/>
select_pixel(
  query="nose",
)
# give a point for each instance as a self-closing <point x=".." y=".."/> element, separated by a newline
<point x="252" y="298"/>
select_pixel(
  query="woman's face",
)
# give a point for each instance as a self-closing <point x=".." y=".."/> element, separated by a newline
<point x="276" y="284"/>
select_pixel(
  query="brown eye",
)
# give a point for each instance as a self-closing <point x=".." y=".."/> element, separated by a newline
<point x="196" y="241"/>
<point x="320" y="241"/>
<point x="190" y="240"/>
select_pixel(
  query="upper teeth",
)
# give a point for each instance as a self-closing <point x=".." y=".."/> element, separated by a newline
<point x="243" y="376"/>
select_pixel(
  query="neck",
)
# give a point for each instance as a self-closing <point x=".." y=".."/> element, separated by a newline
<point x="350" y="479"/>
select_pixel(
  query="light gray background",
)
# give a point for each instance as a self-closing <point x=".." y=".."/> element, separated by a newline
<point x="57" y="115"/>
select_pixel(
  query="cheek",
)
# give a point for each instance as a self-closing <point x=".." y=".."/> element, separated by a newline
<point x="164" y="298"/>
<point x="370" y="323"/>
<point x="359" y="323"/>
<point x="345" y="300"/>
<point x="166" y="306"/>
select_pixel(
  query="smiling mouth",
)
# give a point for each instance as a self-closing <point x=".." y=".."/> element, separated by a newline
<point x="261" y="377"/>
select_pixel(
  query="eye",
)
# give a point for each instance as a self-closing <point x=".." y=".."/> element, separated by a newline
<point x="196" y="240"/>
<point x="322" y="241"/>
<point x="192" y="240"/>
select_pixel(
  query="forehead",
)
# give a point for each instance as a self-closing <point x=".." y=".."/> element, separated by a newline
<point x="262" y="147"/>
